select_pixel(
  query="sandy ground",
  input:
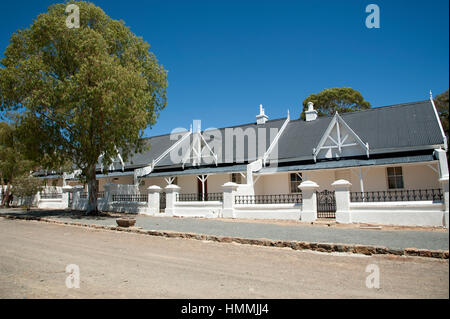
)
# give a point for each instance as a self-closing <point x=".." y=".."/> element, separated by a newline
<point x="34" y="255"/>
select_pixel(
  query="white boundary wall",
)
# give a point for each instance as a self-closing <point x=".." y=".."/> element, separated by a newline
<point x="268" y="211"/>
<point x="420" y="213"/>
<point x="206" y="209"/>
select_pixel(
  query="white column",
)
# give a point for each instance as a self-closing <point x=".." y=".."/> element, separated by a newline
<point x="342" y="194"/>
<point x="443" y="165"/>
<point x="153" y="200"/>
<point x="309" y="199"/>
<point x="65" y="195"/>
<point x="229" y="191"/>
<point x="171" y="197"/>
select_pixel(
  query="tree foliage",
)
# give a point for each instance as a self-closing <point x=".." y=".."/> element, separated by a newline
<point x="84" y="92"/>
<point x="441" y="102"/>
<point x="342" y="100"/>
<point x="26" y="187"/>
<point x="13" y="163"/>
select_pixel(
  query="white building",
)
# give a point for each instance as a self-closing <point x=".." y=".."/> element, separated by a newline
<point x="390" y="163"/>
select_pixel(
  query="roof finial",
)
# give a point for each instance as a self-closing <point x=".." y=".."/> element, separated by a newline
<point x="431" y="95"/>
<point x="288" y="116"/>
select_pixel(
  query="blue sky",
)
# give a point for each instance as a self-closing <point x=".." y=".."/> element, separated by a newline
<point x="226" y="57"/>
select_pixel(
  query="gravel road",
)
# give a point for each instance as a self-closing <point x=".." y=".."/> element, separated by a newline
<point x="34" y="255"/>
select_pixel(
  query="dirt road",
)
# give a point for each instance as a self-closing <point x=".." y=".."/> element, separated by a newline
<point x="34" y="256"/>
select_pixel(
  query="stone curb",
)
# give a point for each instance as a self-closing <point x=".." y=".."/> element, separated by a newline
<point x="295" y="245"/>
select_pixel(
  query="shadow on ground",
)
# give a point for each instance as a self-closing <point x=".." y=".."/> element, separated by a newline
<point x="63" y="213"/>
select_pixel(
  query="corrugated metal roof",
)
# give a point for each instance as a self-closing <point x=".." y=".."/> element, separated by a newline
<point x="397" y="127"/>
<point x="391" y="127"/>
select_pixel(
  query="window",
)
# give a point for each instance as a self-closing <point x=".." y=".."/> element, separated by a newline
<point x="395" y="177"/>
<point x="294" y="180"/>
<point x="236" y="178"/>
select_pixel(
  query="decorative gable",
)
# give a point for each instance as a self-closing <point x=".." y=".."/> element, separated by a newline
<point x="339" y="140"/>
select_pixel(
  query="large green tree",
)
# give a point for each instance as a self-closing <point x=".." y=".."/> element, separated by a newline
<point x="441" y="102"/>
<point x="328" y="101"/>
<point x="83" y="92"/>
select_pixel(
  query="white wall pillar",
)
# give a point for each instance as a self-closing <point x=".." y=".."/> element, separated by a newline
<point x="76" y="197"/>
<point x="444" y="184"/>
<point x="65" y="195"/>
<point x="309" y="199"/>
<point x="342" y="194"/>
<point x="171" y="198"/>
<point x="443" y="164"/>
<point x="153" y="200"/>
<point x="443" y="179"/>
<point x="229" y="191"/>
<point x="107" y="196"/>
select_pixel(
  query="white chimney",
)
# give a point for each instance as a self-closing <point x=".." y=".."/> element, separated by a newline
<point x="261" y="118"/>
<point x="310" y="114"/>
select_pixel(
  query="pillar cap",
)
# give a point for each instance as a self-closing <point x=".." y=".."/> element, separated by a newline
<point x="230" y="185"/>
<point x="67" y="188"/>
<point x="341" y="182"/>
<point x="172" y="187"/>
<point x="154" y="188"/>
<point x="308" y="185"/>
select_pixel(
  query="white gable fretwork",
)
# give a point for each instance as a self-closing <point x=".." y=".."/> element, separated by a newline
<point x="339" y="140"/>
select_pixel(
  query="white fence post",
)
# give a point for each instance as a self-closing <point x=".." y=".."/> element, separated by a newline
<point x="153" y="199"/>
<point x="107" y="196"/>
<point x="342" y="194"/>
<point x="65" y="195"/>
<point x="444" y="184"/>
<point x="309" y="199"/>
<point x="172" y="191"/>
<point x="229" y="191"/>
<point x="76" y="197"/>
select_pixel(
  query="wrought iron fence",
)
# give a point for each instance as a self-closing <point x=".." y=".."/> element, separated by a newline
<point x="50" y="195"/>
<point x="130" y="197"/>
<point x="269" y="199"/>
<point x="162" y="200"/>
<point x="195" y="197"/>
<point x="397" y="195"/>
<point x="326" y="204"/>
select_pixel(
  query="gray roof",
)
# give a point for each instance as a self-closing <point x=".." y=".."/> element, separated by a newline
<point x="386" y="129"/>
<point x="389" y="129"/>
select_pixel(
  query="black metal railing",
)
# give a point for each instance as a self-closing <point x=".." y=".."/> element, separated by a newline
<point x="397" y="195"/>
<point x="199" y="197"/>
<point x="269" y="199"/>
<point x="130" y="197"/>
<point x="162" y="200"/>
<point x="50" y="195"/>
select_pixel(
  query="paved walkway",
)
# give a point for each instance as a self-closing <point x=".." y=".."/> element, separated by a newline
<point x="396" y="239"/>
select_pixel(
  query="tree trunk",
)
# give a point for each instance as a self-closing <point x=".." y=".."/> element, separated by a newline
<point x="7" y="194"/>
<point x="92" y="192"/>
